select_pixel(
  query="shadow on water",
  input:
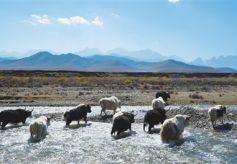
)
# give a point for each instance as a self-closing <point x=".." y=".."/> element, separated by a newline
<point x="13" y="126"/>
<point x="190" y="139"/>
<point x="172" y="144"/>
<point x="181" y="141"/>
<point x="124" y="135"/>
<point x="223" y="128"/>
<point x="76" y="126"/>
<point x="103" y="118"/>
<point x="35" y="140"/>
<point x="154" y="131"/>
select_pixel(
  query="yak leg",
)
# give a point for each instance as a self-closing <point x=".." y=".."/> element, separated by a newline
<point x="78" y="122"/>
<point x="85" y="119"/>
<point x="40" y="134"/>
<point x="149" y="128"/>
<point x="105" y="113"/>
<point x="118" y="133"/>
<point x="4" y="124"/>
<point x="181" y="136"/>
<point x="23" y="121"/>
<point x="68" y="122"/>
<point x="212" y="123"/>
<point x="102" y="110"/>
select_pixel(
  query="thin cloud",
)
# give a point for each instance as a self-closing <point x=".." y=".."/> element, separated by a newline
<point x="97" y="21"/>
<point x="73" y="20"/>
<point x="29" y="22"/>
<point x="39" y="19"/>
<point x="173" y="1"/>
<point x="115" y="15"/>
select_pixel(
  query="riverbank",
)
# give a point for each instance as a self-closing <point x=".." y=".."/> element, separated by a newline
<point x="65" y="88"/>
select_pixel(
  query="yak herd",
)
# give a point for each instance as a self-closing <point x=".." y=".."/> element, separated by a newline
<point x="171" y="129"/>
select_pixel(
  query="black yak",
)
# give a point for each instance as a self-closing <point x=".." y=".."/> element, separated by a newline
<point x="14" y="116"/>
<point x="165" y="95"/>
<point x="122" y="123"/>
<point x="154" y="117"/>
<point x="76" y="114"/>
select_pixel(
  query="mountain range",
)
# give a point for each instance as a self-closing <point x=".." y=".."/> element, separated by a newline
<point x="106" y="63"/>
<point x="138" y="55"/>
<point x="230" y="61"/>
<point x="146" y="55"/>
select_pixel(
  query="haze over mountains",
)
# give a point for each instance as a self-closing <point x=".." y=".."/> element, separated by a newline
<point x="113" y="61"/>
<point x="138" y="55"/>
<point x="146" y="55"/>
<point x="229" y="61"/>
<point x="153" y="56"/>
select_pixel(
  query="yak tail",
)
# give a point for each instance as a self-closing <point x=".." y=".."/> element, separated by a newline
<point x="100" y="101"/>
<point x="0" y="119"/>
<point x="113" y="130"/>
<point x="144" y="126"/>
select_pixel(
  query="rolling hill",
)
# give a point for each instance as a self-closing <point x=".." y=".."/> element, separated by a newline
<point x="106" y="63"/>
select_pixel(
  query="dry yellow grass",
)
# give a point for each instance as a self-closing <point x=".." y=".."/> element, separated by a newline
<point x="125" y="79"/>
<point x="133" y="90"/>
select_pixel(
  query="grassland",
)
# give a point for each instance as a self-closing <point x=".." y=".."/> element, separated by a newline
<point x="71" y="88"/>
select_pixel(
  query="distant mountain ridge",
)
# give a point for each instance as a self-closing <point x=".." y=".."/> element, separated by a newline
<point x="7" y="58"/>
<point x="221" y="61"/>
<point x="146" y="55"/>
<point x="105" y="63"/>
<point x="138" y="55"/>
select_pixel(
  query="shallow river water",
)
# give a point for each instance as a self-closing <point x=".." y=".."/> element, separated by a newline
<point x="92" y="143"/>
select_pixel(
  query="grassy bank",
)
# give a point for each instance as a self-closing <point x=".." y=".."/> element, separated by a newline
<point x="65" y="87"/>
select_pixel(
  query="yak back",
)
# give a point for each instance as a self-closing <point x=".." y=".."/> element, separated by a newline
<point x="79" y="112"/>
<point x="163" y="94"/>
<point x="14" y="116"/>
<point x="130" y="116"/>
<point x="121" y="123"/>
<point x="155" y="116"/>
<point x="220" y="112"/>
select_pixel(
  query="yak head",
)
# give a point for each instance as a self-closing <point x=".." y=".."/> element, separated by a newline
<point x="223" y="108"/>
<point x="24" y="112"/>
<point x="48" y="121"/>
<point x="88" y="108"/>
<point x="163" y="115"/>
<point x="168" y="94"/>
<point x="65" y="115"/>
<point x="130" y="116"/>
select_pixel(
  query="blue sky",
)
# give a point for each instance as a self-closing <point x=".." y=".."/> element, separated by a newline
<point x="186" y="28"/>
